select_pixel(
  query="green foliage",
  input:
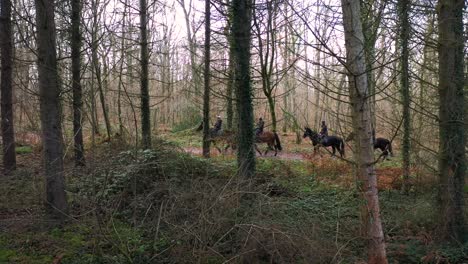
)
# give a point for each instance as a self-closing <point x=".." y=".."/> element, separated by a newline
<point x="6" y="255"/>
<point x="24" y="150"/>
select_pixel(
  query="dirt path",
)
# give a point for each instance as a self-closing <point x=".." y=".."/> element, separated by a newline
<point x="281" y="155"/>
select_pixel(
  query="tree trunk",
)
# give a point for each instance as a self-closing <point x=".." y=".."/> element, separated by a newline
<point x="97" y="69"/>
<point x="231" y="77"/>
<point x="76" y="83"/>
<point x="206" y="93"/>
<point x="144" y="59"/>
<point x="56" y="200"/>
<point x="361" y="116"/>
<point x="8" y="132"/>
<point x="452" y="163"/>
<point x="192" y="49"/>
<point x="241" y="40"/>
<point x="403" y="12"/>
<point x="267" y="54"/>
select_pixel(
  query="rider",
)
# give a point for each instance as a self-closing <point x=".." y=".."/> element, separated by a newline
<point x="218" y="124"/>
<point x="323" y="130"/>
<point x="260" y="126"/>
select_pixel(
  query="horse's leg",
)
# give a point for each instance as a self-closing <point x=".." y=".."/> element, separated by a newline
<point x="317" y="149"/>
<point x="226" y="149"/>
<point x="216" y="146"/>
<point x="256" y="148"/>
<point x="333" y="150"/>
<point x="270" y="147"/>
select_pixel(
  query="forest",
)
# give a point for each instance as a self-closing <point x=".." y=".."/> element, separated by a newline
<point x="233" y="131"/>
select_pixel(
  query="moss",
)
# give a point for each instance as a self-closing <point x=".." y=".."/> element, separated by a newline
<point x="24" y="150"/>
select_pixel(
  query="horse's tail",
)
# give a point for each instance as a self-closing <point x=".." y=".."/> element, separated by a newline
<point x="342" y="146"/>
<point x="278" y="142"/>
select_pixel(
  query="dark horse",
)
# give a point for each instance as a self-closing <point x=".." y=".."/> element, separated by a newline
<point x="335" y="142"/>
<point x="383" y="144"/>
<point x="271" y="139"/>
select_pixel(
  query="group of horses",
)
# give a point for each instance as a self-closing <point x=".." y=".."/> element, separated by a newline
<point x="229" y="137"/>
<point x="337" y="143"/>
<point x="273" y="142"/>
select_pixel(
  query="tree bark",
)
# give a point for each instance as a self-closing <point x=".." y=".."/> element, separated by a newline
<point x="403" y="12"/>
<point x="192" y="49"/>
<point x="452" y="160"/>
<point x="49" y="91"/>
<point x="144" y="83"/>
<point x="362" y="118"/>
<point x="267" y="54"/>
<point x="206" y="92"/>
<point x="242" y="35"/>
<point x="230" y="83"/>
<point x="8" y="132"/>
<point x="76" y="82"/>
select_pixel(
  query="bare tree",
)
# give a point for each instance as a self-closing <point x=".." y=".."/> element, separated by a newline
<point x="76" y="82"/>
<point x="241" y="40"/>
<point x="452" y="163"/>
<point x="403" y="13"/>
<point x="6" y="89"/>
<point x="49" y="92"/>
<point x="206" y="92"/>
<point x="362" y="118"/>
<point x="144" y="84"/>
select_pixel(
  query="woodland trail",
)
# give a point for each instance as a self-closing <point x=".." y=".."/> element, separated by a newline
<point x="388" y="177"/>
<point x="281" y="154"/>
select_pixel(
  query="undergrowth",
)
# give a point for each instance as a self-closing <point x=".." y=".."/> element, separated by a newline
<point x="165" y="206"/>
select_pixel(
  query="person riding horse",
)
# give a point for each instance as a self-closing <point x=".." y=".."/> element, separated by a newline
<point x="218" y="125"/>
<point x="323" y="131"/>
<point x="324" y="140"/>
<point x="260" y="126"/>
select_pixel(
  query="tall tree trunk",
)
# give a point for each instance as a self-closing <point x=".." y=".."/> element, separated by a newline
<point x="267" y="54"/>
<point x="206" y="95"/>
<point x="144" y="83"/>
<point x="403" y="12"/>
<point x="452" y="163"/>
<point x="76" y="82"/>
<point x="230" y="83"/>
<point x="97" y="69"/>
<point x="8" y="132"/>
<point x="242" y="35"/>
<point x="122" y="61"/>
<point x="196" y="80"/>
<point x="229" y="91"/>
<point x="371" y="19"/>
<point x="361" y="116"/>
<point x="49" y="91"/>
<point x="317" y="90"/>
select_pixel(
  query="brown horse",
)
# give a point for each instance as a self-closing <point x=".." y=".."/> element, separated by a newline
<point x="271" y="139"/>
<point x="228" y="138"/>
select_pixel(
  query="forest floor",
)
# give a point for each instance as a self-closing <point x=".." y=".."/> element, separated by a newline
<point x="169" y="205"/>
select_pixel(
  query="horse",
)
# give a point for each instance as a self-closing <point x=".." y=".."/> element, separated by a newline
<point x="335" y="142"/>
<point x="383" y="144"/>
<point x="271" y="139"/>
<point x="218" y="136"/>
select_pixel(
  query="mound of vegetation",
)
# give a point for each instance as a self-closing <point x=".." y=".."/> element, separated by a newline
<point x="165" y="206"/>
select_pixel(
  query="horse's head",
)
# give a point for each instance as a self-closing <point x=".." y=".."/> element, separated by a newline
<point x="312" y="135"/>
